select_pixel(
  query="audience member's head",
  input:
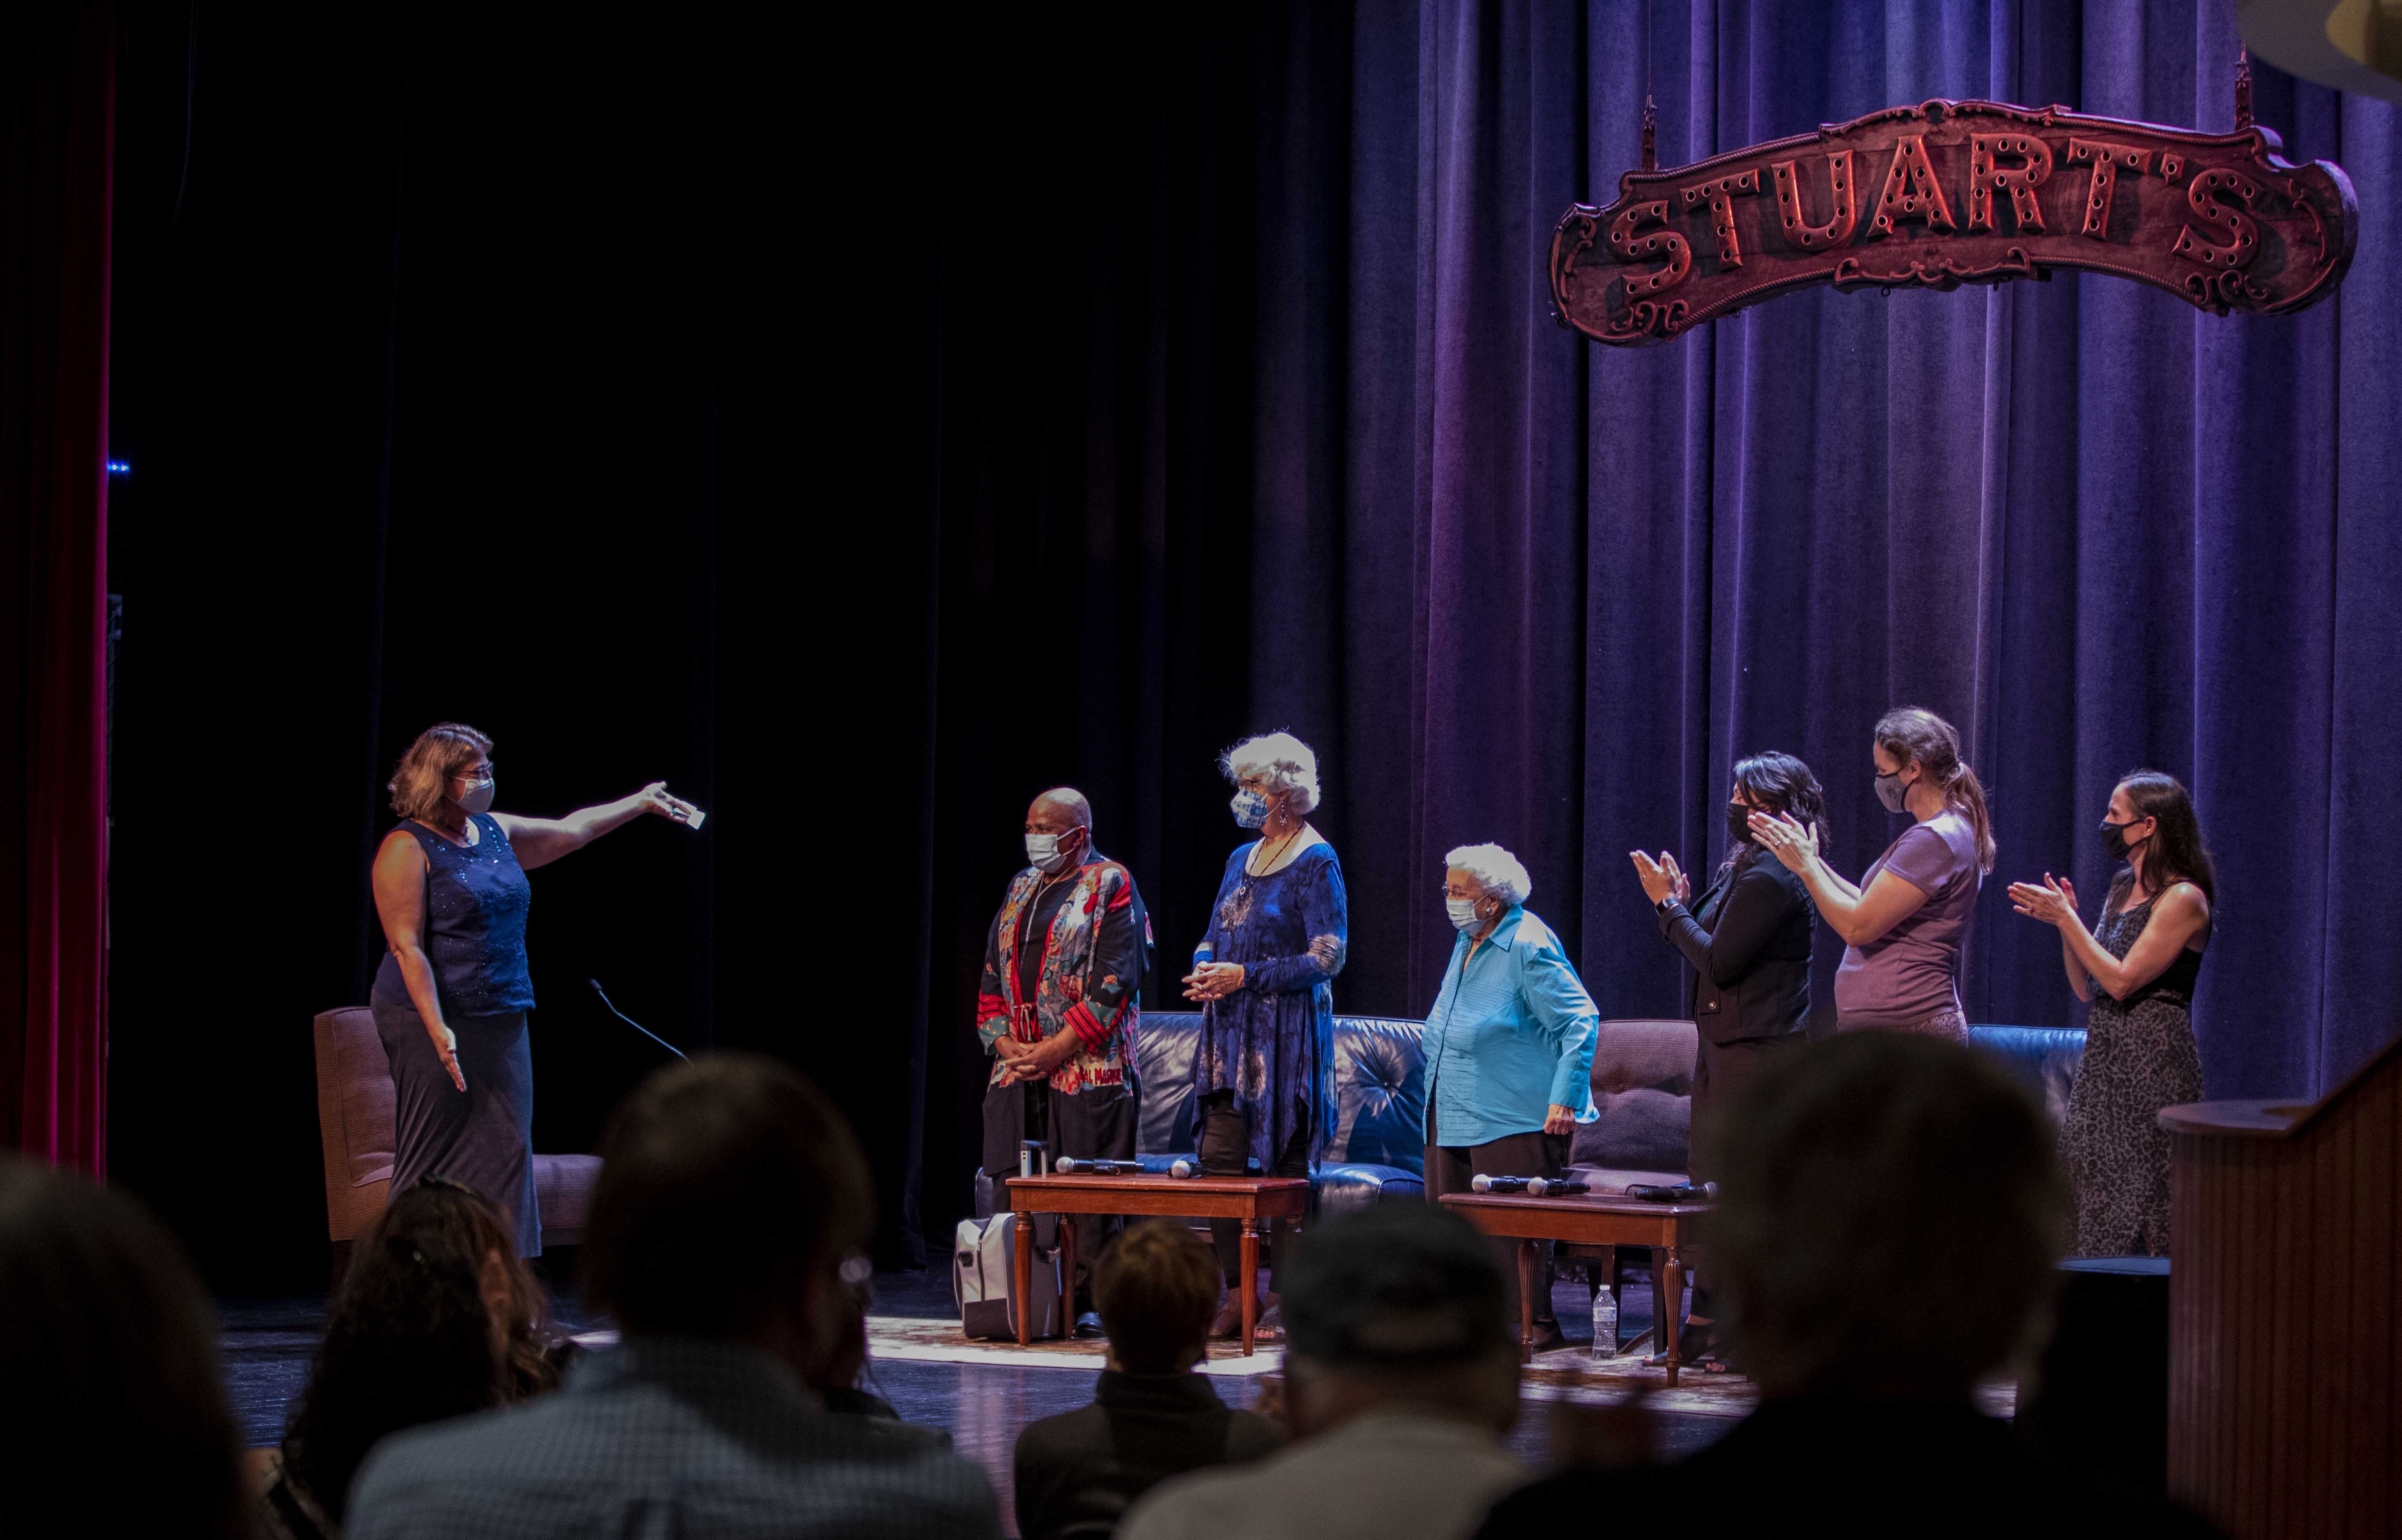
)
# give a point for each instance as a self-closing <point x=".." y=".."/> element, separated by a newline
<point x="437" y="1318"/>
<point x="731" y="1195"/>
<point x="109" y="1359"/>
<point x="1889" y="1217"/>
<point x="1397" y="1304"/>
<point x="1157" y="1289"/>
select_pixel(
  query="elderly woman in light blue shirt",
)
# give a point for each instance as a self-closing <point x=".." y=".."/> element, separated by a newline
<point x="1508" y="1045"/>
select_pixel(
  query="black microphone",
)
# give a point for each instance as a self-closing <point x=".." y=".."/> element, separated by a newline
<point x="1682" y="1192"/>
<point x="1071" y="1167"/>
<point x="1557" y="1186"/>
<point x="635" y="1025"/>
<point x="1498" y="1184"/>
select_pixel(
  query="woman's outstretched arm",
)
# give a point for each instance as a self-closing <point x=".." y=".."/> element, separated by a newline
<point x="540" y="841"/>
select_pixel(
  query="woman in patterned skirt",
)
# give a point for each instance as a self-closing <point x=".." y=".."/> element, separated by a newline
<point x="1264" y="1074"/>
<point x="2139" y="972"/>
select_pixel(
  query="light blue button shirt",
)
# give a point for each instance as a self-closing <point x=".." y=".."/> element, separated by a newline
<point x="1510" y="1035"/>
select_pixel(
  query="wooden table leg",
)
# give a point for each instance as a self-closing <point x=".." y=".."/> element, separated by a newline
<point x="1251" y="1280"/>
<point x="1526" y="1301"/>
<point x="1067" y="1277"/>
<point x="1672" y="1309"/>
<point x="1021" y="1249"/>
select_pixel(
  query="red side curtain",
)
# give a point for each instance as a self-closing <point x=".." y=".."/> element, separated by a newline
<point x="57" y="112"/>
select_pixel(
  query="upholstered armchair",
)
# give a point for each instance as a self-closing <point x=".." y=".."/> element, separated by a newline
<point x="354" y="1124"/>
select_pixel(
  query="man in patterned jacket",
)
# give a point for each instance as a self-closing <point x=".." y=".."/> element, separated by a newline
<point x="1062" y="966"/>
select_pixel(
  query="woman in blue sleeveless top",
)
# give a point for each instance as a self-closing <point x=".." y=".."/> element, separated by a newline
<point x="452" y="995"/>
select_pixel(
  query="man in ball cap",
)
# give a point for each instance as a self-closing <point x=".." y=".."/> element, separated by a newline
<point x="1401" y="1376"/>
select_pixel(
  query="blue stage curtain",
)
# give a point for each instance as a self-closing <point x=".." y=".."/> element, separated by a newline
<point x="1276" y="392"/>
<point x="2093" y="527"/>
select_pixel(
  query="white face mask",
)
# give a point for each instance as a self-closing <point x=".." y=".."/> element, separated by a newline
<point x="1463" y="912"/>
<point x="1043" y="851"/>
<point x="479" y="795"/>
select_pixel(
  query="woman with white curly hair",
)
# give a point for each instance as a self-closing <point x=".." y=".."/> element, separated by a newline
<point x="1264" y="1074"/>
<point x="1509" y="1046"/>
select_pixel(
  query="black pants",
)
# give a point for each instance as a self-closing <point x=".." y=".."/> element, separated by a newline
<point x="1226" y="1151"/>
<point x="1450" y="1168"/>
<point x="1719" y="1070"/>
<point x="1095" y="1125"/>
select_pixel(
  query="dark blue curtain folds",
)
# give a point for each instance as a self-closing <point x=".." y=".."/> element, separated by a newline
<point x="1275" y="397"/>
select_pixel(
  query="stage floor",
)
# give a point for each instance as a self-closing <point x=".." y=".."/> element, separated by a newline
<point x="984" y="1403"/>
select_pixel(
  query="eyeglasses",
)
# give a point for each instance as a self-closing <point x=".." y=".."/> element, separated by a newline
<point x="473" y="780"/>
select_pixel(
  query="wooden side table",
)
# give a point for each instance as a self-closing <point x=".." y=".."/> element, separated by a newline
<point x="1667" y="1228"/>
<point x="1250" y="1199"/>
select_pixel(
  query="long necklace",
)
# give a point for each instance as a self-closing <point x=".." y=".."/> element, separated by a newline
<point x="1268" y="865"/>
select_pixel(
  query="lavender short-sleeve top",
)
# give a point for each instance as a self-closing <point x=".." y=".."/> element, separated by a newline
<point x="1912" y="971"/>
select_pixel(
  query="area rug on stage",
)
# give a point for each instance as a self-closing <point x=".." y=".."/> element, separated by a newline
<point x="941" y="1342"/>
<point x="1564" y="1375"/>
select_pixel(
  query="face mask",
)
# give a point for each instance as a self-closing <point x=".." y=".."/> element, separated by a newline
<point x="2114" y="838"/>
<point x="1043" y="851"/>
<point x="1251" y="809"/>
<point x="1462" y="913"/>
<point x="1738" y="823"/>
<point x="479" y="795"/>
<point x="1891" y="792"/>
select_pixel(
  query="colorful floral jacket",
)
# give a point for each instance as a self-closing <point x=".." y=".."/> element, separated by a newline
<point x="1094" y="956"/>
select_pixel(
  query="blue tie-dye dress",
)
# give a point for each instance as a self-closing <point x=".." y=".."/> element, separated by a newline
<point x="1272" y="1041"/>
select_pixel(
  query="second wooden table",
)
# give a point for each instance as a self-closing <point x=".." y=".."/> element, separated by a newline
<point x="1667" y="1228"/>
<point x="1250" y="1199"/>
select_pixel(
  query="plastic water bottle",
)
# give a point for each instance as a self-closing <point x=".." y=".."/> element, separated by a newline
<point x="1605" y="1324"/>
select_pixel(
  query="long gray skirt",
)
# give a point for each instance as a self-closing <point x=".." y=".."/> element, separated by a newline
<point x="482" y="1139"/>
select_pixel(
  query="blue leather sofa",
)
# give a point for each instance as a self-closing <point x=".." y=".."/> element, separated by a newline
<point x="1642" y="1083"/>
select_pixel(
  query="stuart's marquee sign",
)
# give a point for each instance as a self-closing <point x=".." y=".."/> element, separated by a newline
<point x="1948" y="193"/>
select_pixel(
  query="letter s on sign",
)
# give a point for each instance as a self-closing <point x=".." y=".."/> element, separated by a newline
<point x="1629" y="242"/>
<point x="2201" y="197"/>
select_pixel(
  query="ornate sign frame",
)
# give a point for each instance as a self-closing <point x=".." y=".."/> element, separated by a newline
<point x="1947" y="193"/>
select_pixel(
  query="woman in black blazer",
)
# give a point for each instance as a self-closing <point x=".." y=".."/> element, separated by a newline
<point x="1748" y="940"/>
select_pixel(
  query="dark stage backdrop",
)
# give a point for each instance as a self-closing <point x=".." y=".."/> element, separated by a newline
<point x="866" y="429"/>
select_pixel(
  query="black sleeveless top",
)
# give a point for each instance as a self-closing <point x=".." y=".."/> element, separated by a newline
<point x="2176" y="981"/>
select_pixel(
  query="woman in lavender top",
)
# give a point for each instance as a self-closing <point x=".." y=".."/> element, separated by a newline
<point x="1264" y="1073"/>
<point x="1906" y="921"/>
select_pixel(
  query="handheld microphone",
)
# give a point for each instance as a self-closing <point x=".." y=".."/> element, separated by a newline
<point x="1183" y="1170"/>
<point x="1069" y="1166"/>
<point x="1682" y="1192"/>
<point x="635" y="1025"/>
<point x="1542" y="1187"/>
<point x="1500" y="1184"/>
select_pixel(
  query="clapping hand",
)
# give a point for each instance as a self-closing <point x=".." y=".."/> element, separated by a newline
<point x="1662" y="879"/>
<point x="2054" y="903"/>
<point x="1786" y="839"/>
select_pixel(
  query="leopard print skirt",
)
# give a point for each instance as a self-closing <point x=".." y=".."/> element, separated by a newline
<point x="2138" y="1059"/>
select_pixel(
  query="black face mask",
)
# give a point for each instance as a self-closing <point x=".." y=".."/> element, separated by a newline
<point x="1738" y="824"/>
<point x="2114" y="838"/>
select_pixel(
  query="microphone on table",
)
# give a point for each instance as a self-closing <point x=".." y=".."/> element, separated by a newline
<point x="1681" y="1193"/>
<point x="635" y="1025"/>
<point x="1183" y="1170"/>
<point x="1559" y="1187"/>
<point x="1071" y="1167"/>
<point x="1500" y="1184"/>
